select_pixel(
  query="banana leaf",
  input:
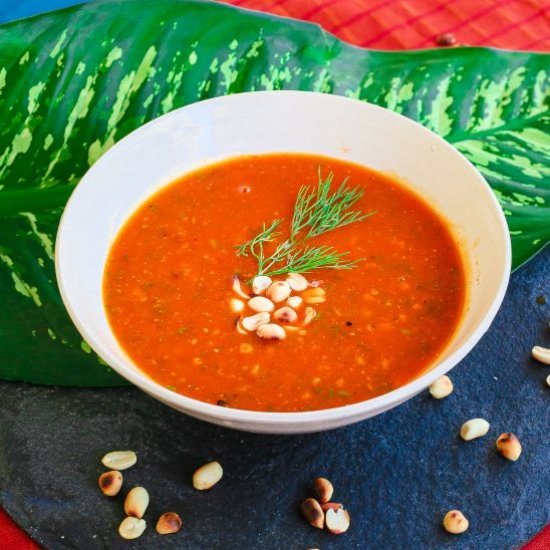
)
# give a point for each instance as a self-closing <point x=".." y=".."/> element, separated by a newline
<point x="75" y="81"/>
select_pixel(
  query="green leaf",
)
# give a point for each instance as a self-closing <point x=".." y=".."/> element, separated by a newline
<point x="74" y="82"/>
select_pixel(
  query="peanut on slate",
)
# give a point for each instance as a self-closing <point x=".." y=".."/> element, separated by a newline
<point x="337" y="521"/>
<point x="131" y="528"/>
<point x="508" y="446"/>
<point x="541" y="354"/>
<point x="119" y="460"/>
<point x="168" y="523"/>
<point x="442" y="387"/>
<point x="110" y="483"/>
<point x="207" y="476"/>
<point x="455" y="522"/>
<point x="136" y="502"/>
<point x="313" y="513"/>
<point x="323" y="489"/>
<point x="474" y="428"/>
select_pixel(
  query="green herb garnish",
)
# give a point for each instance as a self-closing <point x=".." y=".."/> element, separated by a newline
<point x="316" y="211"/>
<point x="255" y="246"/>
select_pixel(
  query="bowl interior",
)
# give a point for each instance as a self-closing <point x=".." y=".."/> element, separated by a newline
<point x="256" y="123"/>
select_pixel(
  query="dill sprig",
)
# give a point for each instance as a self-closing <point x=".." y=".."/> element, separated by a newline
<point x="319" y="212"/>
<point x="308" y="259"/>
<point x="316" y="211"/>
<point x="255" y="246"/>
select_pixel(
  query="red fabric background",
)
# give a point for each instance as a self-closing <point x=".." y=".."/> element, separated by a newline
<point x="394" y="25"/>
<point x="411" y="24"/>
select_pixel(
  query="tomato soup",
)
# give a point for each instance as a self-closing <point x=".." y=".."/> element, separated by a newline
<point x="176" y="287"/>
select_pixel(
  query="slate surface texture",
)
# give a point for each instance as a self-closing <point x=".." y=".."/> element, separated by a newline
<point x="397" y="473"/>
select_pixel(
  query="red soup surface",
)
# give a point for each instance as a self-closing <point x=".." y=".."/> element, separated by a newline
<point x="169" y="298"/>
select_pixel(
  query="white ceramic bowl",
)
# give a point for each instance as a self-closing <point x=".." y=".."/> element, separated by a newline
<point x="262" y="122"/>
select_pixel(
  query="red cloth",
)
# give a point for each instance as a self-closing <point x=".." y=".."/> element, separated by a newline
<point x="394" y="25"/>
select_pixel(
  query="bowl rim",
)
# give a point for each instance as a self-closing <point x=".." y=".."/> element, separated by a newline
<point x="228" y="415"/>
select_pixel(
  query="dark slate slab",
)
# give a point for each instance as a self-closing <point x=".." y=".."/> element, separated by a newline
<point x="397" y="473"/>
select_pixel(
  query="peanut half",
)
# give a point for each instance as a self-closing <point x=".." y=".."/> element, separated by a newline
<point x="315" y="295"/>
<point x="323" y="489"/>
<point x="260" y="303"/>
<point x="252" y="322"/>
<point x="260" y="284"/>
<point x="442" y="387"/>
<point x="296" y="282"/>
<point x="337" y="521"/>
<point x="131" y="528"/>
<point x="541" y="354"/>
<point x="285" y="315"/>
<point x="455" y="522"/>
<point x="278" y="291"/>
<point x="313" y="513"/>
<point x="119" y="460"/>
<point x="474" y="428"/>
<point x="294" y="302"/>
<point x="508" y="446"/>
<point x="169" y="523"/>
<point x="271" y="331"/>
<point x="237" y="288"/>
<point x="309" y="315"/>
<point x="207" y="476"/>
<point x="136" y="502"/>
<point x="110" y="483"/>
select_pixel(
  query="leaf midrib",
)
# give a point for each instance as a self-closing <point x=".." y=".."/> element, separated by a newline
<point x="516" y="124"/>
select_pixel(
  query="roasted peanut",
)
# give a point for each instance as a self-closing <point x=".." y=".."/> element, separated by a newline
<point x="260" y="303"/>
<point x="285" y="315"/>
<point x="237" y="288"/>
<point x="168" y="523"/>
<point x="260" y="284"/>
<point x="110" y="483"/>
<point x="207" y="476"/>
<point x="131" y="528"/>
<point x="309" y="315"/>
<point x="314" y="295"/>
<point x="313" y="513"/>
<point x="323" y="489"/>
<point x="337" y="521"/>
<point x="455" y="522"/>
<point x="296" y="282"/>
<point x="442" y="387"/>
<point x="446" y="39"/>
<point x="119" y="460"/>
<point x="252" y="322"/>
<point x="136" y="502"/>
<point x="508" y="446"/>
<point x="541" y="354"/>
<point x="278" y="291"/>
<point x="294" y="302"/>
<point x="474" y="428"/>
<point x="271" y="331"/>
